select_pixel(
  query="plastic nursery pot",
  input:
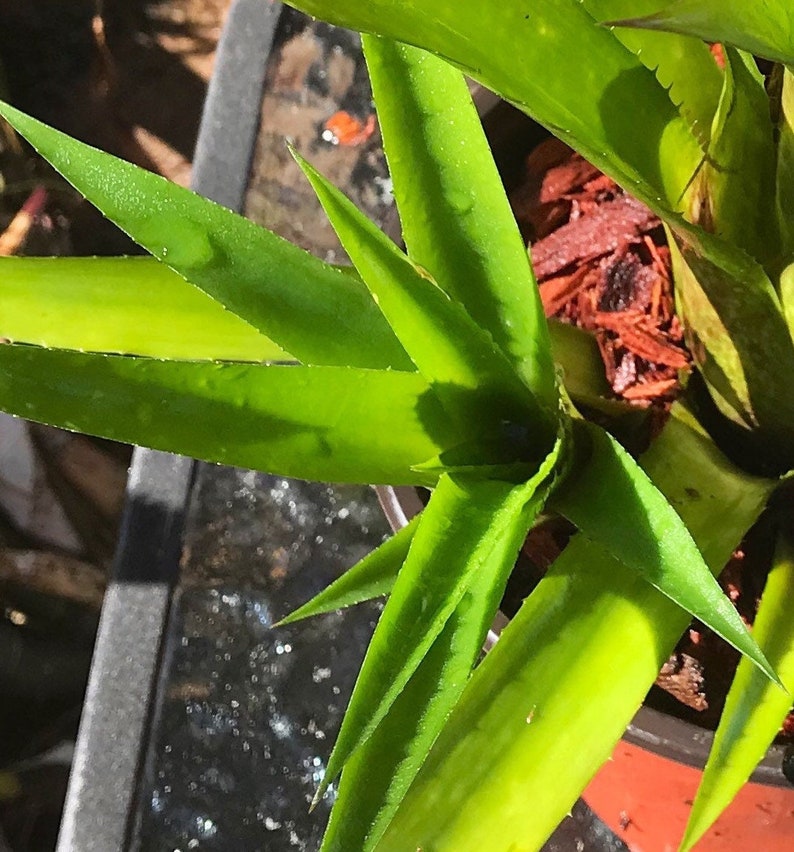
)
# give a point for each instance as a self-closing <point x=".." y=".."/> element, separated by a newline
<point x="644" y="793"/>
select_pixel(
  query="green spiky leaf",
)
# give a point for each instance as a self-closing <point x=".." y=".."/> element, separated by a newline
<point x="729" y="198"/>
<point x="723" y="298"/>
<point x="464" y="526"/>
<point x="461" y="362"/>
<point x="371" y="577"/>
<point x="612" y="501"/>
<point x="456" y="220"/>
<point x="472" y="791"/>
<point x="327" y="423"/>
<point x="126" y="305"/>
<point x="683" y="65"/>
<point x="380" y="770"/>
<point x="307" y="307"/>
<point x="754" y="709"/>
<point x="765" y="29"/>
<point x="513" y="51"/>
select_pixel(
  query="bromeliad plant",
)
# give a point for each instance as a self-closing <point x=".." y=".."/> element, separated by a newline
<point x="435" y="367"/>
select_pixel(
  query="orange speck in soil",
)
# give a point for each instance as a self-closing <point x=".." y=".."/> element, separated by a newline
<point x="348" y="130"/>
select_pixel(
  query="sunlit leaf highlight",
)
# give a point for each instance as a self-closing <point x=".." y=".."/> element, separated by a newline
<point x="469" y="526"/>
<point x="312" y="310"/>
<point x="763" y="28"/>
<point x="334" y="424"/>
<point x="512" y="52"/>
<point x="378" y="773"/>
<point x="124" y="305"/>
<point x="472" y="791"/>
<point x="459" y="360"/>
<point x="614" y="503"/>
<point x="456" y="220"/>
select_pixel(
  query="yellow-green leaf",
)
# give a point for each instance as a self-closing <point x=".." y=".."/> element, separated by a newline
<point x="613" y="502"/>
<point x="309" y="308"/>
<point x="764" y="28"/>
<point x="126" y="305"/>
<point x="754" y="709"/>
<point x="469" y="373"/>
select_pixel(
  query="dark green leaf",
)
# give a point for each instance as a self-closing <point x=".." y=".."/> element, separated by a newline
<point x="754" y="709"/>
<point x="612" y="501"/>
<point x="471" y="376"/>
<point x="732" y="191"/>
<point x="725" y="301"/>
<point x="327" y="423"/>
<point x="128" y="305"/>
<point x="766" y="28"/>
<point x="371" y="577"/>
<point x="456" y="221"/>
<point x="785" y="165"/>
<point x="307" y="307"/>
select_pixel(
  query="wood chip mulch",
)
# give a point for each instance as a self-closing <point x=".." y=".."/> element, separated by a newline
<point x="602" y="263"/>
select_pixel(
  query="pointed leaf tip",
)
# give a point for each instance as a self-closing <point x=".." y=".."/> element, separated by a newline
<point x="307" y="307"/>
<point x="614" y="502"/>
<point x="371" y="577"/>
<point x="470" y="374"/>
<point x="754" y="711"/>
<point x="455" y="216"/>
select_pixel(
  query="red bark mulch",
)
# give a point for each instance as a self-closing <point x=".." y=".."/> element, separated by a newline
<point x="602" y="263"/>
